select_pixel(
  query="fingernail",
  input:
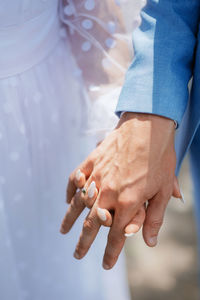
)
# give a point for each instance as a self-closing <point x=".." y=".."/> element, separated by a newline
<point x="153" y="240"/>
<point x="132" y="228"/>
<point x="128" y="234"/>
<point x="78" y="174"/>
<point x="76" y="255"/>
<point x="105" y="266"/>
<point x="62" y="230"/>
<point x="101" y="214"/>
<point x="182" y="197"/>
<point x="91" y="189"/>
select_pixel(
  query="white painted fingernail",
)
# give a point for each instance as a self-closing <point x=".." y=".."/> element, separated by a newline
<point x="101" y="214"/>
<point x="91" y="189"/>
<point x="182" y="198"/>
<point x="128" y="234"/>
<point x="78" y="174"/>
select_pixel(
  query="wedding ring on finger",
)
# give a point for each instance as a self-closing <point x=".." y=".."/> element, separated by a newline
<point x="89" y="194"/>
<point x="91" y="190"/>
<point x="84" y="191"/>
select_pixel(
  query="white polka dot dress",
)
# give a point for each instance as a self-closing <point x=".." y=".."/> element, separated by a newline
<point x="42" y="111"/>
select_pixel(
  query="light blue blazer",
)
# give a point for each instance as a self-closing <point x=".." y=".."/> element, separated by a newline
<point x="167" y="56"/>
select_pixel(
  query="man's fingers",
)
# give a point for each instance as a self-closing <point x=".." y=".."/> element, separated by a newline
<point x="104" y="216"/>
<point x="116" y="240"/>
<point x="154" y="219"/>
<point x="89" y="231"/>
<point x="136" y="223"/>
<point x="114" y="247"/>
<point x="75" y="208"/>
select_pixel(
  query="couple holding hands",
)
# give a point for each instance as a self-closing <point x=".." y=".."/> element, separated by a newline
<point x="127" y="181"/>
<point x="56" y="56"/>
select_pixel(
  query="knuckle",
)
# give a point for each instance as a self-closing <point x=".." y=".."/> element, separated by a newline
<point x="109" y="189"/>
<point x="114" y="241"/>
<point x="130" y="198"/>
<point x="89" y="203"/>
<point x="128" y="201"/>
<point x="89" y="163"/>
<point x="125" y="203"/>
<point x="89" y="225"/>
<point x="71" y="178"/>
<point x="156" y="224"/>
<point x="74" y="204"/>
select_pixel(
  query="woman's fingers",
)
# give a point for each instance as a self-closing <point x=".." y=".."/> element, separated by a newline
<point x="76" y="180"/>
<point x="154" y="218"/>
<point x="136" y="223"/>
<point x="90" y="194"/>
<point x="104" y="216"/>
<point x="79" y="179"/>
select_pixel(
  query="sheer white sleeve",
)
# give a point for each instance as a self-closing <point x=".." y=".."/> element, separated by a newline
<point x="101" y="44"/>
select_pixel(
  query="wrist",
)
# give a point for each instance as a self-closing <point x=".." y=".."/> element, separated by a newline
<point x="146" y="118"/>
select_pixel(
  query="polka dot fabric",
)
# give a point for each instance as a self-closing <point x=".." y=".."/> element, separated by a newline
<point x="97" y="29"/>
<point x="102" y="47"/>
<point x="42" y="112"/>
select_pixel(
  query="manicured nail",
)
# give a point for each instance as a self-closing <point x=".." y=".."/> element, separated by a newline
<point x="132" y="228"/>
<point x="91" y="189"/>
<point x="105" y="266"/>
<point x="76" y="255"/>
<point x="128" y="234"/>
<point x="78" y="174"/>
<point x="182" y="198"/>
<point x="153" y="240"/>
<point x="101" y="214"/>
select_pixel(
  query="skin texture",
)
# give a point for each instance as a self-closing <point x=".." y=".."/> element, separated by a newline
<point x="133" y="165"/>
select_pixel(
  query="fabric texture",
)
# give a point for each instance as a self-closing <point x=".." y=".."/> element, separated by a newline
<point x="42" y="112"/>
<point x="102" y="47"/>
<point x="166" y="57"/>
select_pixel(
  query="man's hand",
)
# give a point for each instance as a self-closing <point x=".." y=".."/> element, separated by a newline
<point x="133" y="165"/>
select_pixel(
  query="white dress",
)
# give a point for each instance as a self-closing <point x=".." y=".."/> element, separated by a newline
<point x="42" y="108"/>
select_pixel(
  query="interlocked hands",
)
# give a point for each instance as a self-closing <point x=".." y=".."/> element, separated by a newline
<point x="128" y="180"/>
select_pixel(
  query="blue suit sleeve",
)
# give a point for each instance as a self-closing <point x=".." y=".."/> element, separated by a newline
<point x="157" y="79"/>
